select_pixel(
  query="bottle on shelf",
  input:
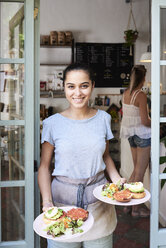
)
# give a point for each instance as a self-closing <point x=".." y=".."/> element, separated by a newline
<point x="106" y="101"/>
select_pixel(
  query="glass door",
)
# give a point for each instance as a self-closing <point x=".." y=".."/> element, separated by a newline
<point x="158" y="146"/>
<point x="17" y="123"/>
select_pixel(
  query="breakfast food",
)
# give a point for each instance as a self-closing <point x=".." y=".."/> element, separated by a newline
<point x="123" y="192"/>
<point x="137" y="190"/>
<point x="109" y="189"/>
<point x="60" y="222"/>
<point x="78" y="213"/>
<point x="53" y="214"/>
<point x="138" y="195"/>
<point x="123" y="196"/>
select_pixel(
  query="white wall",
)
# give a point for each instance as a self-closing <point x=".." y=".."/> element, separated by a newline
<point x="97" y="21"/>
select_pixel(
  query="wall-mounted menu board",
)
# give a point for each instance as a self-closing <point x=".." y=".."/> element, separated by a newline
<point x="111" y="62"/>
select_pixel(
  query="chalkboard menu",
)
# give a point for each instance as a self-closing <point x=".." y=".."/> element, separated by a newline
<point x="111" y="62"/>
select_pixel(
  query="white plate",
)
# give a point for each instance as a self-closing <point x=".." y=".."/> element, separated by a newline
<point x="39" y="226"/>
<point x="97" y="194"/>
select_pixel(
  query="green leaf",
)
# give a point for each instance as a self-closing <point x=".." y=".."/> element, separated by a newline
<point x="21" y="36"/>
<point x="162" y="159"/>
<point x="163" y="140"/>
<point x="163" y="181"/>
<point x="130" y="36"/>
<point x="79" y="222"/>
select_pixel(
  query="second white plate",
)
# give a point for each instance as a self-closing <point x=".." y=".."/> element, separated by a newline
<point x="97" y="193"/>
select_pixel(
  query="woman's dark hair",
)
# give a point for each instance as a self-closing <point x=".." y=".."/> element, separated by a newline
<point x="138" y="74"/>
<point x="76" y="67"/>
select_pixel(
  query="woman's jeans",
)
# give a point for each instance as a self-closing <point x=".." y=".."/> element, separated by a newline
<point x="105" y="242"/>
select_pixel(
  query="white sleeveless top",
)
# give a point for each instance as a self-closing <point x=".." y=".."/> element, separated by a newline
<point x="131" y="121"/>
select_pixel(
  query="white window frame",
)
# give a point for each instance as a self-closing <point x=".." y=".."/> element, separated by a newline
<point x="157" y="235"/>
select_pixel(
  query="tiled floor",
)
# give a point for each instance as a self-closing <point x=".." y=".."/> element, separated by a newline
<point x="129" y="233"/>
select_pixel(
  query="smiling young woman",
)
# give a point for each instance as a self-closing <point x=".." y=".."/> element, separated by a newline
<point x="79" y="138"/>
<point x="78" y="85"/>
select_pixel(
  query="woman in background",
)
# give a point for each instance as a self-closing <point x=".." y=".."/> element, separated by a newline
<point x="79" y="137"/>
<point x="135" y="127"/>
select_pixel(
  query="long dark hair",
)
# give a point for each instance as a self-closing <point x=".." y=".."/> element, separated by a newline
<point x="78" y="66"/>
<point x="138" y="74"/>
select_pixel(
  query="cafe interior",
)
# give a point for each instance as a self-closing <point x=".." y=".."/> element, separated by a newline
<point x="111" y="36"/>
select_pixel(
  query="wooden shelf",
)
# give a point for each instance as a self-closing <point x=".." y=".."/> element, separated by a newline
<point x="57" y="46"/>
<point x="42" y="64"/>
<point x="53" y="64"/>
<point x="105" y="94"/>
<point x="54" y="94"/>
<point x="102" y="107"/>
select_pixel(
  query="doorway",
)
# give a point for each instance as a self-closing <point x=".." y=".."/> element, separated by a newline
<point x="17" y="123"/>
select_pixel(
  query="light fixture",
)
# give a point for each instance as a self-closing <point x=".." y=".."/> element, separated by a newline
<point x="146" y="57"/>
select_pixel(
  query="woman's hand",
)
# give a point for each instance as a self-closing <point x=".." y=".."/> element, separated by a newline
<point x="47" y="205"/>
<point x="122" y="180"/>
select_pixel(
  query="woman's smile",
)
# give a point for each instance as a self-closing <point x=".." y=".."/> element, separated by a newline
<point x="78" y="100"/>
<point x="78" y="88"/>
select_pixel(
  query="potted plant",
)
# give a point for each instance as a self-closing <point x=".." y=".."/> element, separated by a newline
<point x="130" y="36"/>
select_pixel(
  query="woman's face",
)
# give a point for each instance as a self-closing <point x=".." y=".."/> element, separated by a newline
<point x="78" y="88"/>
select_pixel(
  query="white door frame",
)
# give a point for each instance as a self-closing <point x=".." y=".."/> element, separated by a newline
<point x="28" y="122"/>
<point x="157" y="235"/>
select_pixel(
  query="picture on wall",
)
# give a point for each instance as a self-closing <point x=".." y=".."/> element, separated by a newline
<point x="111" y="62"/>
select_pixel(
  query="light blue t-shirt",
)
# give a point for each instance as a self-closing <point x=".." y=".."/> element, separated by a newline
<point x="79" y="144"/>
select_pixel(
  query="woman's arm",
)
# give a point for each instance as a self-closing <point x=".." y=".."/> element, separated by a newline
<point x="142" y="101"/>
<point x="44" y="176"/>
<point x="110" y="167"/>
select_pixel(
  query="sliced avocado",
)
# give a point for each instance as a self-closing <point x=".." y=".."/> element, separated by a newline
<point x="137" y="190"/>
<point x="56" y="216"/>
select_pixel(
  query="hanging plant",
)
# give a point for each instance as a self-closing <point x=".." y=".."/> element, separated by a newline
<point x="130" y="35"/>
